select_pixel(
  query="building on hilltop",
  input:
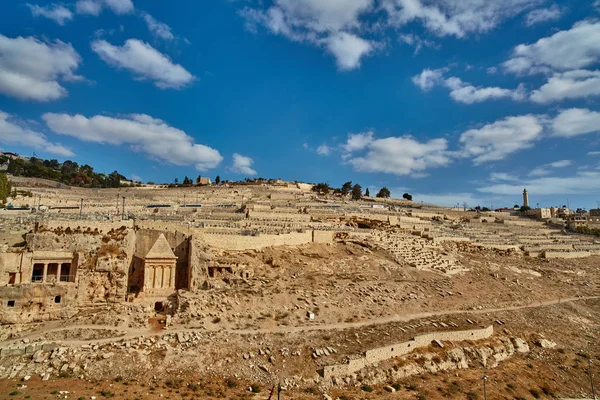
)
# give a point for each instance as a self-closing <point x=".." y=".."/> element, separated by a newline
<point x="525" y="198"/>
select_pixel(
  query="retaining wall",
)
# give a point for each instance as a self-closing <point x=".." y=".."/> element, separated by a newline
<point x="383" y="353"/>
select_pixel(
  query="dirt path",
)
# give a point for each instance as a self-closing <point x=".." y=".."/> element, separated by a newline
<point x="132" y="333"/>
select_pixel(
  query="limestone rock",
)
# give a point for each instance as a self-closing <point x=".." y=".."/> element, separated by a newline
<point x="545" y="343"/>
<point x="521" y="346"/>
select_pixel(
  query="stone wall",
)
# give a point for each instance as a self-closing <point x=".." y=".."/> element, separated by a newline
<point x="566" y="254"/>
<point x="383" y="353"/>
<point x="239" y="242"/>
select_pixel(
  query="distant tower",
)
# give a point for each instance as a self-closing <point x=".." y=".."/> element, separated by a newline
<point x="525" y="198"/>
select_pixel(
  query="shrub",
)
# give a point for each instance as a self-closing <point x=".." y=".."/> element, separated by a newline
<point x="107" y="393"/>
<point x="367" y="388"/>
<point x="231" y="383"/>
<point x="534" y="393"/>
<point x="255" y="388"/>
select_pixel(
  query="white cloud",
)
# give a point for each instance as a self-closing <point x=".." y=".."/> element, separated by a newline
<point x="575" y="84"/>
<point x="95" y="7"/>
<point x="145" y="61"/>
<point x="242" y="165"/>
<point x="14" y="134"/>
<point x="503" y="176"/>
<point x="469" y="94"/>
<point x="402" y="156"/>
<point x="540" y="15"/>
<point x="348" y="49"/>
<point x="593" y="153"/>
<point x="575" y="121"/>
<point x="326" y="23"/>
<point x="544" y="170"/>
<point x="56" y="12"/>
<point x="158" y="29"/>
<point x="565" y="50"/>
<point x="31" y="69"/>
<point x="454" y="17"/>
<point x="429" y="78"/>
<point x="323" y="150"/>
<point x="330" y="24"/>
<point x="497" y="140"/>
<point x="142" y="132"/>
<point x="584" y="182"/>
<point x="358" y="141"/>
<point x="414" y="40"/>
<point x="464" y="92"/>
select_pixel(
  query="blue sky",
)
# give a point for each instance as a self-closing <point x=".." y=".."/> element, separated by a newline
<point x="451" y="100"/>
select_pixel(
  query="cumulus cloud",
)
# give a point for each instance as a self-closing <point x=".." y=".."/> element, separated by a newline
<point x="497" y="140"/>
<point x="575" y="48"/>
<point x="56" y="12"/>
<point x="323" y="150"/>
<point x="429" y="78"/>
<point x="575" y="122"/>
<point x="144" y="61"/>
<point x="328" y="24"/>
<point x="397" y="155"/>
<point x="545" y="169"/>
<point x="15" y="134"/>
<point x="575" y="84"/>
<point x="584" y="182"/>
<point x="143" y="133"/>
<point x="348" y="49"/>
<point x="33" y="70"/>
<point x="242" y="165"/>
<point x="158" y="29"/>
<point x="95" y="7"/>
<point x="464" y="92"/>
<point x="540" y="15"/>
<point x="358" y="141"/>
<point x="454" y="17"/>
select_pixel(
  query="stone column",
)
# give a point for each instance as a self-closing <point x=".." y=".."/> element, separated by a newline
<point x="45" y="273"/>
<point x="172" y="283"/>
<point x="58" y="272"/>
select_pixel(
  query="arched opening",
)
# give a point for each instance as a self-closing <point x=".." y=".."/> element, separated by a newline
<point x="158" y="306"/>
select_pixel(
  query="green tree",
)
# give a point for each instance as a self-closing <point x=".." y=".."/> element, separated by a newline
<point x="407" y="196"/>
<point x="356" y="192"/>
<point x="367" y="194"/>
<point x="322" y="188"/>
<point x="384" y="193"/>
<point x="198" y="179"/>
<point x="218" y="179"/>
<point x="346" y="188"/>
<point x="176" y="181"/>
<point x="4" y="188"/>
<point x="187" y="181"/>
<point x="524" y="208"/>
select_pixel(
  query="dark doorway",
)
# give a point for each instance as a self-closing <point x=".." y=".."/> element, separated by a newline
<point x="57" y="299"/>
<point x="158" y="306"/>
<point x="65" y="273"/>
<point x="38" y="273"/>
<point x="12" y="278"/>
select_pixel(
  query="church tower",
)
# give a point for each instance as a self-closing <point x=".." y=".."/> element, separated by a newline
<point x="525" y="198"/>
